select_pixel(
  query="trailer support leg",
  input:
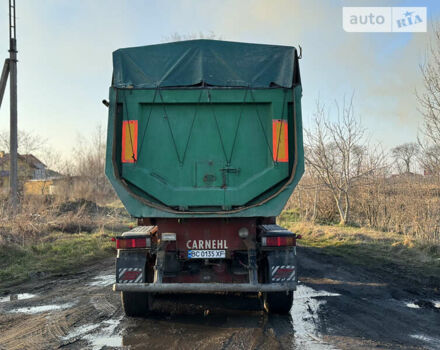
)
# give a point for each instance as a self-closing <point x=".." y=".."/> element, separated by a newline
<point x="252" y="262"/>
<point x="158" y="268"/>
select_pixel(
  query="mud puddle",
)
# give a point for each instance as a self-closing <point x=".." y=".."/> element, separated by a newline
<point x="14" y="297"/>
<point x="105" y="337"/>
<point x="423" y="304"/>
<point x="431" y="343"/>
<point x="80" y="331"/>
<point x="102" y="281"/>
<point x="41" y="308"/>
<point x="305" y="318"/>
<point x="188" y="322"/>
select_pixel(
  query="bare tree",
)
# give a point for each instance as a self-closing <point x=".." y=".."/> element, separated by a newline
<point x="429" y="101"/>
<point x="191" y="36"/>
<point x="32" y="143"/>
<point x="28" y="142"/>
<point x="404" y="156"/>
<point x="89" y="163"/>
<point x="429" y="159"/>
<point x="338" y="152"/>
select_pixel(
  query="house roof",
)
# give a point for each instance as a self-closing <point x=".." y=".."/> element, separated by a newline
<point x="28" y="158"/>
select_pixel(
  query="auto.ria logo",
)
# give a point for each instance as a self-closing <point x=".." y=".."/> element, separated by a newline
<point x="384" y="19"/>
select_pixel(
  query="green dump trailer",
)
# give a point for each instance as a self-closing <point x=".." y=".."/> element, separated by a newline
<point x="204" y="148"/>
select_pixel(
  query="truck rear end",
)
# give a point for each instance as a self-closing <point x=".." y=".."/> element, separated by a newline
<point x="204" y="149"/>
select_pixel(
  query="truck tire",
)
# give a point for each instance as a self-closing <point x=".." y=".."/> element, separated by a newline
<point x="278" y="302"/>
<point x="136" y="304"/>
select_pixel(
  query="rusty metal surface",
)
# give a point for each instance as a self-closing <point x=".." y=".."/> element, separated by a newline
<point x="218" y="230"/>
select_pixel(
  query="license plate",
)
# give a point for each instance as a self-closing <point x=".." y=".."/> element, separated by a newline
<point x="206" y="254"/>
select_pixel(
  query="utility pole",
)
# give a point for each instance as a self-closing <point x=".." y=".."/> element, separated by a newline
<point x="13" y="144"/>
<point x="10" y="69"/>
<point x="4" y="79"/>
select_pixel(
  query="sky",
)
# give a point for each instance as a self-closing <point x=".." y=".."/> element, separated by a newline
<point x="65" y="57"/>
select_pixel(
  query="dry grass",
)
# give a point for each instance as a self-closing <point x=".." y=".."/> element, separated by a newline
<point x="391" y="252"/>
<point x="406" y="204"/>
<point x="57" y="253"/>
<point x="41" y="216"/>
<point x="53" y="236"/>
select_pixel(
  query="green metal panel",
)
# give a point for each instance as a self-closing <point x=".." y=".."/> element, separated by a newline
<point x="204" y="152"/>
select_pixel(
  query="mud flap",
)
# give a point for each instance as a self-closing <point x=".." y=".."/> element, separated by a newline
<point x="130" y="267"/>
<point x="281" y="266"/>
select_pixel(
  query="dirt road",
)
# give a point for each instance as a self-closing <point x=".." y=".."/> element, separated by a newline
<point x="337" y="306"/>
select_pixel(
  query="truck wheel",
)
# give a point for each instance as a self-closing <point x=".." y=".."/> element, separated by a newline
<point x="278" y="302"/>
<point x="136" y="304"/>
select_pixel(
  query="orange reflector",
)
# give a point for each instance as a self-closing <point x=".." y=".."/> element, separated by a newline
<point x="282" y="241"/>
<point x="127" y="243"/>
<point x="129" y="141"/>
<point x="280" y="141"/>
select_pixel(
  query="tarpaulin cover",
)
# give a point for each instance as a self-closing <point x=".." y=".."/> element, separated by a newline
<point x="211" y="62"/>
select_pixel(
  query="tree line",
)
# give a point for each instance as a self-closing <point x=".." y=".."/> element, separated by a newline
<point x="349" y="180"/>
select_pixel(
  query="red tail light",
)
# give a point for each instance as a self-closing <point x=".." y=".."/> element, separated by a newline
<point x="128" y="243"/>
<point x="282" y="241"/>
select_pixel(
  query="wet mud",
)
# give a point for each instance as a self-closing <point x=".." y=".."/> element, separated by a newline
<point x="337" y="306"/>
